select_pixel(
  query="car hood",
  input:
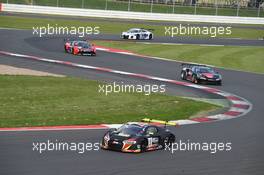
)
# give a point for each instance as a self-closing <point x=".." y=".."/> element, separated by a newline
<point x="209" y="75"/>
<point x="120" y="137"/>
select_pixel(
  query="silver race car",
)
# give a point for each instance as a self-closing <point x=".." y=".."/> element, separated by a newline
<point x="137" y="34"/>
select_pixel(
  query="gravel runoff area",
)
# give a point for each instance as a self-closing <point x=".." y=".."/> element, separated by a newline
<point x="10" y="70"/>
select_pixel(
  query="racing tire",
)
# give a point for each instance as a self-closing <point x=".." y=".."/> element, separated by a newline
<point x="143" y="146"/>
<point x="65" y="49"/>
<point x="168" y="140"/>
<point x="183" y="75"/>
<point x="194" y="80"/>
<point x="150" y="37"/>
<point x="137" y="37"/>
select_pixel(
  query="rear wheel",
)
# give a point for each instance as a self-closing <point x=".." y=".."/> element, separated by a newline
<point x="168" y="140"/>
<point x="150" y="36"/>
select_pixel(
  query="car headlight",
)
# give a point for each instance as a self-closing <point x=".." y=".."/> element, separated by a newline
<point x="130" y="141"/>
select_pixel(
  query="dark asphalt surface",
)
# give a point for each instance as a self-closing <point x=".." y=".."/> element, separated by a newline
<point x="245" y="133"/>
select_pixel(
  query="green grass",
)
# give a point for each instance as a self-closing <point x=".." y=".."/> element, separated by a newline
<point x="141" y="7"/>
<point x="112" y="27"/>
<point x="246" y="58"/>
<point x="46" y="101"/>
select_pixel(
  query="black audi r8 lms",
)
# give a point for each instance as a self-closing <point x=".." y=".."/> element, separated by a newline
<point x="200" y="74"/>
<point x="137" y="137"/>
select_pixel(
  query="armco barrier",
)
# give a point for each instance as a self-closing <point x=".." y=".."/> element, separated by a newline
<point x="128" y="15"/>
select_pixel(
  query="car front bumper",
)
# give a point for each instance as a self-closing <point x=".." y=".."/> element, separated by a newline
<point x="118" y="146"/>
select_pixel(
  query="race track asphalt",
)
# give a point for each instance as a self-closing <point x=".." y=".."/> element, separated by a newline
<point x="245" y="133"/>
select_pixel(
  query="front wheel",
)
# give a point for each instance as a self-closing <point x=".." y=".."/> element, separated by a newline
<point x="183" y="75"/>
<point x="65" y="49"/>
<point x="194" y="79"/>
<point x="143" y="146"/>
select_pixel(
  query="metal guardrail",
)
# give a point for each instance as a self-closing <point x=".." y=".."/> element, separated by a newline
<point x="245" y="8"/>
<point x="128" y="15"/>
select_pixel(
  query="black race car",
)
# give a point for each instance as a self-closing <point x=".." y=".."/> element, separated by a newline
<point x="137" y="137"/>
<point x="200" y="74"/>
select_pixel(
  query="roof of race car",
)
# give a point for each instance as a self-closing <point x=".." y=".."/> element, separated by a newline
<point x="74" y="40"/>
<point x="193" y="64"/>
<point x="141" y="124"/>
<point x="134" y="29"/>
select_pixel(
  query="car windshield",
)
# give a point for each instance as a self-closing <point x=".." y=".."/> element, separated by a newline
<point x="84" y="44"/>
<point x="129" y="130"/>
<point x="205" y="70"/>
<point x="133" y="31"/>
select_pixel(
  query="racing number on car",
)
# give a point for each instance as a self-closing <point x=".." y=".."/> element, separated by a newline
<point x="153" y="141"/>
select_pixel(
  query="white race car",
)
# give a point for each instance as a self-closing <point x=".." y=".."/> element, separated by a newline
<point x="137" y="34"/>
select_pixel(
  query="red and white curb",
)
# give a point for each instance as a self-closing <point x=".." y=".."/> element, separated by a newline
<point x="238" y="105"/>
<point x="119" y="51"/>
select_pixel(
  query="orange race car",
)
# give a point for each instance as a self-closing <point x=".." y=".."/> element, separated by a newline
<point x="79" y="48"/>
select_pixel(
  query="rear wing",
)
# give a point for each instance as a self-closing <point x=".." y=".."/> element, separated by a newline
<point x="190" y="65"/>
<point x="148" y="29"/>
<point x="165" y="123"/>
